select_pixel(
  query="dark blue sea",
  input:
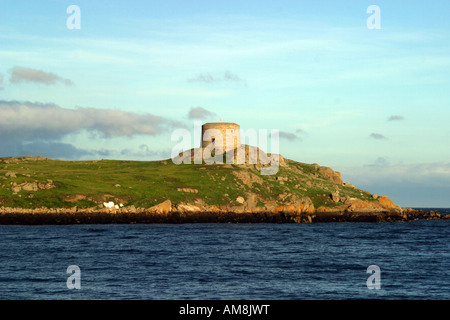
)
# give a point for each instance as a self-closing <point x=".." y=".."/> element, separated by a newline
<point x="227" y="261"/>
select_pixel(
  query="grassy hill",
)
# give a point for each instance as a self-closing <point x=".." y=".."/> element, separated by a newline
<point x="33" y="182"/>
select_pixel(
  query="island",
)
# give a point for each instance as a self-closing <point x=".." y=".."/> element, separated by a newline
<point x="221" y="181"/>
<point x="37" y="190"/>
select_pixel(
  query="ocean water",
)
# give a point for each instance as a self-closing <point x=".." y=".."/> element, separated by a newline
<point x="227" y="261"/>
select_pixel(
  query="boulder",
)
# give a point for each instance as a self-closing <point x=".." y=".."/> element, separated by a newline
<point x="348" y="184"/>
<point x="131" y="209"/>
<point x="10" y="174"/>
<point x="162" y="208"/>
<point x="240" y="200"/>
<point x="187" y="208"/>
<point x="335" y="197"/>
<point x="30" y="186"/>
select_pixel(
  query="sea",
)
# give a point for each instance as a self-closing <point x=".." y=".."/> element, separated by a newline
<point x="260" y="261"/>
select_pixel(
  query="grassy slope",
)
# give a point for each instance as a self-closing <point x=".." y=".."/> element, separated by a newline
<point x="145" y="184"/>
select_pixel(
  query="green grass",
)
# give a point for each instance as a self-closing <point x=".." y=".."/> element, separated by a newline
<point x="146" y="183"/>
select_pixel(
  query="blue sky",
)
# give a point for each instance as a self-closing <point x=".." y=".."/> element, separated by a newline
<point x="372" y="103"/>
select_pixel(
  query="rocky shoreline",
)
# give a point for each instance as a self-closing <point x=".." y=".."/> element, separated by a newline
<point x="18" y="216"/>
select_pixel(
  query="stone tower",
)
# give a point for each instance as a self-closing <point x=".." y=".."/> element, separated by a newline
<point x="225" y="134"/>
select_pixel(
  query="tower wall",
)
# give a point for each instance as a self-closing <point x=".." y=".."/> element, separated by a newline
<point x="230" y="132"/>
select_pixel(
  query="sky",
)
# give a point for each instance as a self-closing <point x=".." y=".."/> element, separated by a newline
<point x="365" y="94"/>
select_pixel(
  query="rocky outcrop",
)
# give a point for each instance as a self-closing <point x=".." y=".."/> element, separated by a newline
<point x="330" y="174"/>
<point x="162" y="208"/>
<point x="247" y="178"/>
<point x="21" y="159"/>
<point x="380" y="204"/>
<point x="251" y="155"/>
<point x="32" y="186"/>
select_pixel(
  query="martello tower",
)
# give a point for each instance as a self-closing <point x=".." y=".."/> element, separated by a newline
<point x="225" y="134"/>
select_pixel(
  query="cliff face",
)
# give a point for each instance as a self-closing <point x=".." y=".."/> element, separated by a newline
<point x="40" y="184"/>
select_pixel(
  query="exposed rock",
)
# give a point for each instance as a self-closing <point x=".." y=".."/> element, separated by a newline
<point x="330" y="174"/>
<point x="186" y="208"/>
<point x="131" y="209"/>
<point x="189" y="190"/>
<point x="74" y="198"/>
<point x="240" y="200"/>
<point x="162" y="208"/>
<point x="335" y="197"/>
<point x="251" y="202"/>
<point x="250" y="155"/>
<point x="350" y="204"/>
<point x="20" y="159"/>
<point x="33" y="186"/>
<point x="348" y="184"/>
<point x="200" y="202"/>
<point x="375" y="196"/>
<point x="283" y="196"/>
<point x="386" y="203"/>
<point x="247" y="178"/>
<point x="46" y="186"/>
<point x="10" y="174"/>
<point x="296" y="205"/>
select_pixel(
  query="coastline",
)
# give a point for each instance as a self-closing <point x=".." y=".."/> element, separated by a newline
<point x="17" y="216"/>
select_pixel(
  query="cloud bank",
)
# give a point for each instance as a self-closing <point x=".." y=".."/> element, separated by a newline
<point x="409" y="185"/>
<point x="30" y="121"/>
<point x="22" y="74"/>
<point x="36" y="129"/>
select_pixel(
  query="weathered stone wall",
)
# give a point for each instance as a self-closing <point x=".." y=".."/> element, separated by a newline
<point x="230" y="132"/>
